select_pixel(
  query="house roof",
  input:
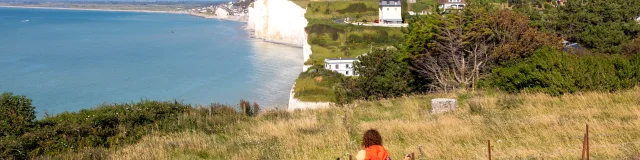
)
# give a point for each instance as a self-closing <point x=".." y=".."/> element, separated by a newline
<point x="390" y="3"/>
<point x="447" y="1"/>
<point x="334" y="59"/>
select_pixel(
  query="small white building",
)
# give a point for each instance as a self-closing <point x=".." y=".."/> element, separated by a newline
<point x="451" y="4"/>
<point x="390" y="12"/>
<point x="343" y="66"/>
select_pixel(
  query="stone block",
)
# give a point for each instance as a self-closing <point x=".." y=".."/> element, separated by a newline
<point x="440" y="105"/>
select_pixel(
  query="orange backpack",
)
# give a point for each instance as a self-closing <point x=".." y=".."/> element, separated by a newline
<point x="376" y="152"/>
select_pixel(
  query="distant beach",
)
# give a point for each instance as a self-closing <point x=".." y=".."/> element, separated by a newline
<point x="110" y="10"/>
<point x="208" y="16"/>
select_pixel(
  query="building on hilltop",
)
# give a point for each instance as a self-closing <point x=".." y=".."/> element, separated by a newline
<point x="343" y="66"/>
<point x="390" y="12"/>
<point x="451" y="4"/>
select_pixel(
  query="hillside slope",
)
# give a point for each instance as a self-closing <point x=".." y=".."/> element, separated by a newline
<point x="520" y="126"/>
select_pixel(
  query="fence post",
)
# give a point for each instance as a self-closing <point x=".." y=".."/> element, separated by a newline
<point x="588" y="157"/>
<point x="413" y="156"/>
<point x="585" y="145"/>
<point x="489" y="148"/>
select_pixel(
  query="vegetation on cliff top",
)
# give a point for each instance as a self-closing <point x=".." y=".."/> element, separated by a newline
<point x="91" y="132"/>
<point x="519" y="126"/>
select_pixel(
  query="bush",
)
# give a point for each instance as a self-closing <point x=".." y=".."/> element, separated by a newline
<point x="381" y="75"/>
<point x="89" y="131"/>
<point x="475" y="107"/>
<point x="16" y="114"/>
<point x="321" y="29"/>
<point x="357" y="8"/>
<point x="556" y="73"/>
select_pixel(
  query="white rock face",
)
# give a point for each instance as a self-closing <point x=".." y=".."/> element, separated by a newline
<point x="222" y="13"/>
<point x="279" y="21"/>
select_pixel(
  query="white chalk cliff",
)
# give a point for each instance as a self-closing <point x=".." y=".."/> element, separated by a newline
<point x="282" y="21"/>
<point x="279" y="21"/>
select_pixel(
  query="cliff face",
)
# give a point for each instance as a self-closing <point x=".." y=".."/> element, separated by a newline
<point x="279" y="21"/>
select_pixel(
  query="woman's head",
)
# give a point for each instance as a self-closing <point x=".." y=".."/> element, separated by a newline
<point x="371" y="137"/>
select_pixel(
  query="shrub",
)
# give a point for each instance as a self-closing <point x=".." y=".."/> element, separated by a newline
<point x="357" y="8"/>
<point x="89" y="131"/>
<point x="555" y="73"/>
<point x="475" y="107"/>
<point x="381" y="75"/>
<point x="16" y="114"/>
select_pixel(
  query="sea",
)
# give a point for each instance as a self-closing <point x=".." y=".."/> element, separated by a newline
<point x="68" y="60"/>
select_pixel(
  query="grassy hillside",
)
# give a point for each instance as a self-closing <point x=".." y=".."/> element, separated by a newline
<point x="523" y="126"/>
<point x="330" y="38"/>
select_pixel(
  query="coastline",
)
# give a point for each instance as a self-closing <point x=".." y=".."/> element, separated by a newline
<point x="293" y="103"/>
<point x="206" y="16"/>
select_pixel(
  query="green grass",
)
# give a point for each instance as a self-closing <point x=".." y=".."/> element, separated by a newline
<point x="331" y="40"/>
<point x="423" y="4"/>
<point x="341" y="46"/>
<point x="301" y="3"/>
<point x="336" y="9"/>
<point x="316" y="85"/>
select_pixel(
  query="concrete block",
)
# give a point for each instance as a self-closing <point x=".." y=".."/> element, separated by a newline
<point x="440" y="105"/>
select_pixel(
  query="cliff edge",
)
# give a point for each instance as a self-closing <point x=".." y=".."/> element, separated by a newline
<point x="278" y="21"/>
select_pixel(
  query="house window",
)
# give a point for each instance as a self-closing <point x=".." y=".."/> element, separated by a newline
<point x="387" y="9"/>
<point x="337" y="66"/>
<point x="329" y="66"/>
<point x="347" y="65"/>
<point x="347" y="73"/>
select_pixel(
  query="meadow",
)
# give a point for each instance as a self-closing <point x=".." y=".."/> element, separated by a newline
<point x="519" y="126"/>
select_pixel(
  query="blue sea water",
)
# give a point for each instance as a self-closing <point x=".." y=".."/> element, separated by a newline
<point x="67" y="60"/>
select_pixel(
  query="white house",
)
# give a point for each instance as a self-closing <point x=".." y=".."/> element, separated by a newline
<point x="390" y="12"/>
<point x="341" y="65"/>
<point x="451" y="4"/>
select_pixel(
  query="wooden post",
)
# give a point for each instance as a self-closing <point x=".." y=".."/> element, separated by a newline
<point x="585" y="145"/>
<point x="489" y="148"/>
<point x="588" y="142"/>
<point x="413" y="156"/>
<point x="349" y="156"/>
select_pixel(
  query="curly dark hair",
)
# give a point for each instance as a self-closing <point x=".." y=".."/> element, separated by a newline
<point x="371" y="137"/>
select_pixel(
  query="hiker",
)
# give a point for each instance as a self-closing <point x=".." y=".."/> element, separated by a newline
<point x="373" y="149"/>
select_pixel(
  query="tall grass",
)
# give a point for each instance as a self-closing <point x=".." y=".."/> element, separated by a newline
<point x="540" y="127"/>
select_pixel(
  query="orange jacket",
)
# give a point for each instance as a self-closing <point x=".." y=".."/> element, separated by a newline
<point x="376" y="152"/>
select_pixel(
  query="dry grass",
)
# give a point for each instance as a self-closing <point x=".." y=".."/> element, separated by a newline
<point x="525" y="126"/>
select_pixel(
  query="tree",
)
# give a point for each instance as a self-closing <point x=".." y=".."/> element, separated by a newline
<point x="515" y="38"/>
<point x="16" y="114"/>
<point x="404" y="7"/>
<point x="457" y="51"/>
<point x="601" y="25"/>
<point x="380" y="75"/>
